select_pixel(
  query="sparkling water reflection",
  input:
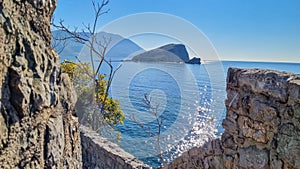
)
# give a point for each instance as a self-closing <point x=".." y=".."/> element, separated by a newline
<point x="192" y="115"/>
<point x="200" y="115"/>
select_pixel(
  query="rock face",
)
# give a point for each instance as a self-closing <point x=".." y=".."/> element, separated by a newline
<point x="262" y="124"/>
<point x="37" y="125"/>
<point x="171" y="53"/>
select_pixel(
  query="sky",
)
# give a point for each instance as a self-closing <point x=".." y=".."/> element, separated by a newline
<point x="247" y="30"/>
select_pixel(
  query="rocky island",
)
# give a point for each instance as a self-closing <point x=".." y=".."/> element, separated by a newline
<point x="170" y="53"/>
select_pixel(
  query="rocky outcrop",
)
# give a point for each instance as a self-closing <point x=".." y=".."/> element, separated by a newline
<point x="171" y="53"/>
<point x="38" y="128"/>
<point x="98" y="152"/>
<point x="262" y="124"/>
<point x="194" y="60"/>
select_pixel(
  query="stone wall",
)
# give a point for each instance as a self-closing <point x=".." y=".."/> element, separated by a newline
<point x="262" y="124"/>
<point x="37" y="125"/>
<point x="98" y="152"/>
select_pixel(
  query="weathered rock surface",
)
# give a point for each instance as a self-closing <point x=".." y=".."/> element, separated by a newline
<point x="262" y="124"/>
<point x="37" y="126"/>
<point x="98" y="152"/>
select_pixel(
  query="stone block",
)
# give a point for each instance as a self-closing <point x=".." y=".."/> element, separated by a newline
<point x="251" y="157"/>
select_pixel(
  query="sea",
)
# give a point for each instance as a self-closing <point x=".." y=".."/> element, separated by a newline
<point x="171" y="108"/>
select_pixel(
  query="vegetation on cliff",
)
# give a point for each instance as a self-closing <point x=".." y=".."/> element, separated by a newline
<point x="92" y="106"/>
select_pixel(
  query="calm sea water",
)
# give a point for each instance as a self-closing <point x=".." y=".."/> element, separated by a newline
<point x="189" y="99"/>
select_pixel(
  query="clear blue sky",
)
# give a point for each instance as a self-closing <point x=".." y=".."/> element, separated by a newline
<point x="258" y="30"/>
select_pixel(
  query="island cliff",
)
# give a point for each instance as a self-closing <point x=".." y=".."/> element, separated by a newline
<point x="171" y="53"/>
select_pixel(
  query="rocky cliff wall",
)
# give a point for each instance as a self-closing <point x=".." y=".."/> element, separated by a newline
<point x="37" y="125"/>
<point x="262" y="124"/>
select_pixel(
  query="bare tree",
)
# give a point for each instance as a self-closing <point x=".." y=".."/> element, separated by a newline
<point x="97" y="51"/>
<point x="153" y="110"/>
<point x="57" y="43"/>
<point x="88" y="37"/>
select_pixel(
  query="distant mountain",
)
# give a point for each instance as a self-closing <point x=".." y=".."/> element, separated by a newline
<point x="71" y="49"/>
<point x="173" y="53"/>
<point x="123" y="50"/>
<point x="119" y="48"/>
